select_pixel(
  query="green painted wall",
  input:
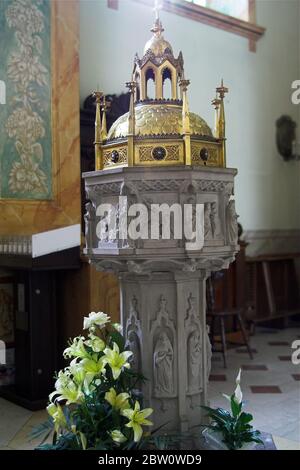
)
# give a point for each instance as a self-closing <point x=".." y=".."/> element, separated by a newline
<point x="25" y="119"/>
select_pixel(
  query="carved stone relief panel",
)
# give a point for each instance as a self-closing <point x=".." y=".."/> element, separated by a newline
<point x="232" y="225"/>
<point x="107" y="224"/>
<point x="164" y="352"/>
<point x="194" y="346"/>
<point x="208" y="234"/>
<point x="163" y="364"/>
<point x="90" y="222"/>
<point x="215" y="221"/>
<point x="214" y="210"/>
<point x="133" y="334"/>
<point x="162" y="239"/>
<point x="128" y="191"/>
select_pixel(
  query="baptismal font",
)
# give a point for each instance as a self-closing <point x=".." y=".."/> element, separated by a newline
<point x="161" y="153"/>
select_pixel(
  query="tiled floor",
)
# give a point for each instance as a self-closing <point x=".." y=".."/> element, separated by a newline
<point x="16" y="425"/>
<point x="270" y="386"/>
<point x="270" y="383"/>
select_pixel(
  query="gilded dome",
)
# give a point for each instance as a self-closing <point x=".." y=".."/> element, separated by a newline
<point x="158" y="45"/>
<point x="158" y="119"/>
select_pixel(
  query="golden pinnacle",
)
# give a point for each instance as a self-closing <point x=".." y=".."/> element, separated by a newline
<point x="222" y="90"/>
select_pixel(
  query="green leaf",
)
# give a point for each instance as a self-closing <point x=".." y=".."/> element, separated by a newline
<point x="117" y="338"/>
<point x="245" y="418"/>
<point x="46" y="447"/>
<point x="100" y="446"/>
<point x="41" y="430"/>
<point x="219" y="413"/>
<point x="235" y="407"/>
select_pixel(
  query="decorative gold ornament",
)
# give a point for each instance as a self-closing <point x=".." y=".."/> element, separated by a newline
<point x="222" y="90"/>
<point x="205" y="155"/>
<point x="216" y="103"/>
<point x="98" y="138"/>
<point x="159" y="131"/>
<point x="115" y="155"/>
<point x="103" y="126"/>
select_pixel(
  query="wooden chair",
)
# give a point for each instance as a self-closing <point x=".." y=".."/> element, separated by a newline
<point x="219" y="316"/>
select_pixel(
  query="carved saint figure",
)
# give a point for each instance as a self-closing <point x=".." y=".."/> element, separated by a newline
<point x="207" y="221"/>
<point x="133" y="308"/>
<point x="133" y="334"/>
<point x="215" y="221"/>
<point x="112" y="224"/>
<point x="192" y="201"/>
<point x="194" y="360"/>
<point x="107" y="227"/>
<point x="134" y="347"/>
<point x="89" y="218"/>
<point x="123" y="221"/>
<point x="163" y="365"/>
<point x="232" y="223"/>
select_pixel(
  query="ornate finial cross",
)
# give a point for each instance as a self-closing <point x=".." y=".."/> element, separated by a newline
<point x="222" y="90"/>
<point x="157" y="27"/>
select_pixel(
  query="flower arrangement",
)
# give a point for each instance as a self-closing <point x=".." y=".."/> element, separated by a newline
<point x="95" y="404"/>
<point x="231" y="430"/>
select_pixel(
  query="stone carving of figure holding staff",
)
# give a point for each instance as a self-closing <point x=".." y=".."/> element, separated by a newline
<point x="89" y="218"/>
<point x="163" y="365"/>
<point x="194" y="356"/>
<point x="207" y="221"/>
<point x="215" y="221"/>
<point x="232" y="223"/>
<point x="133" y="334"/>
<point x="134" y="347"/>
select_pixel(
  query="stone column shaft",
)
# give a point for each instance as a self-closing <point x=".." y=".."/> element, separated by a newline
<point x="163" y="317"/>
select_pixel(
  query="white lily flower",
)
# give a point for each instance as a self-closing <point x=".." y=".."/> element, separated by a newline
<point x="238" y="395"/>
<point x="95" y="319"/>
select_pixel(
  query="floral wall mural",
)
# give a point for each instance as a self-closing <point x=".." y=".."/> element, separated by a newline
<point x="25" y="131"/>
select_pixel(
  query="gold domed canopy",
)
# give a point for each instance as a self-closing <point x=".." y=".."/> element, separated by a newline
<point x="158" y="45"/>
<point x="158" y="119"/>
<point x="159" y="128"/>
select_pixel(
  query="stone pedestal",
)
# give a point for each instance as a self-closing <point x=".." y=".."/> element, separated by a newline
<point x="163" y="301"/>
<point x="164" y="322"/>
